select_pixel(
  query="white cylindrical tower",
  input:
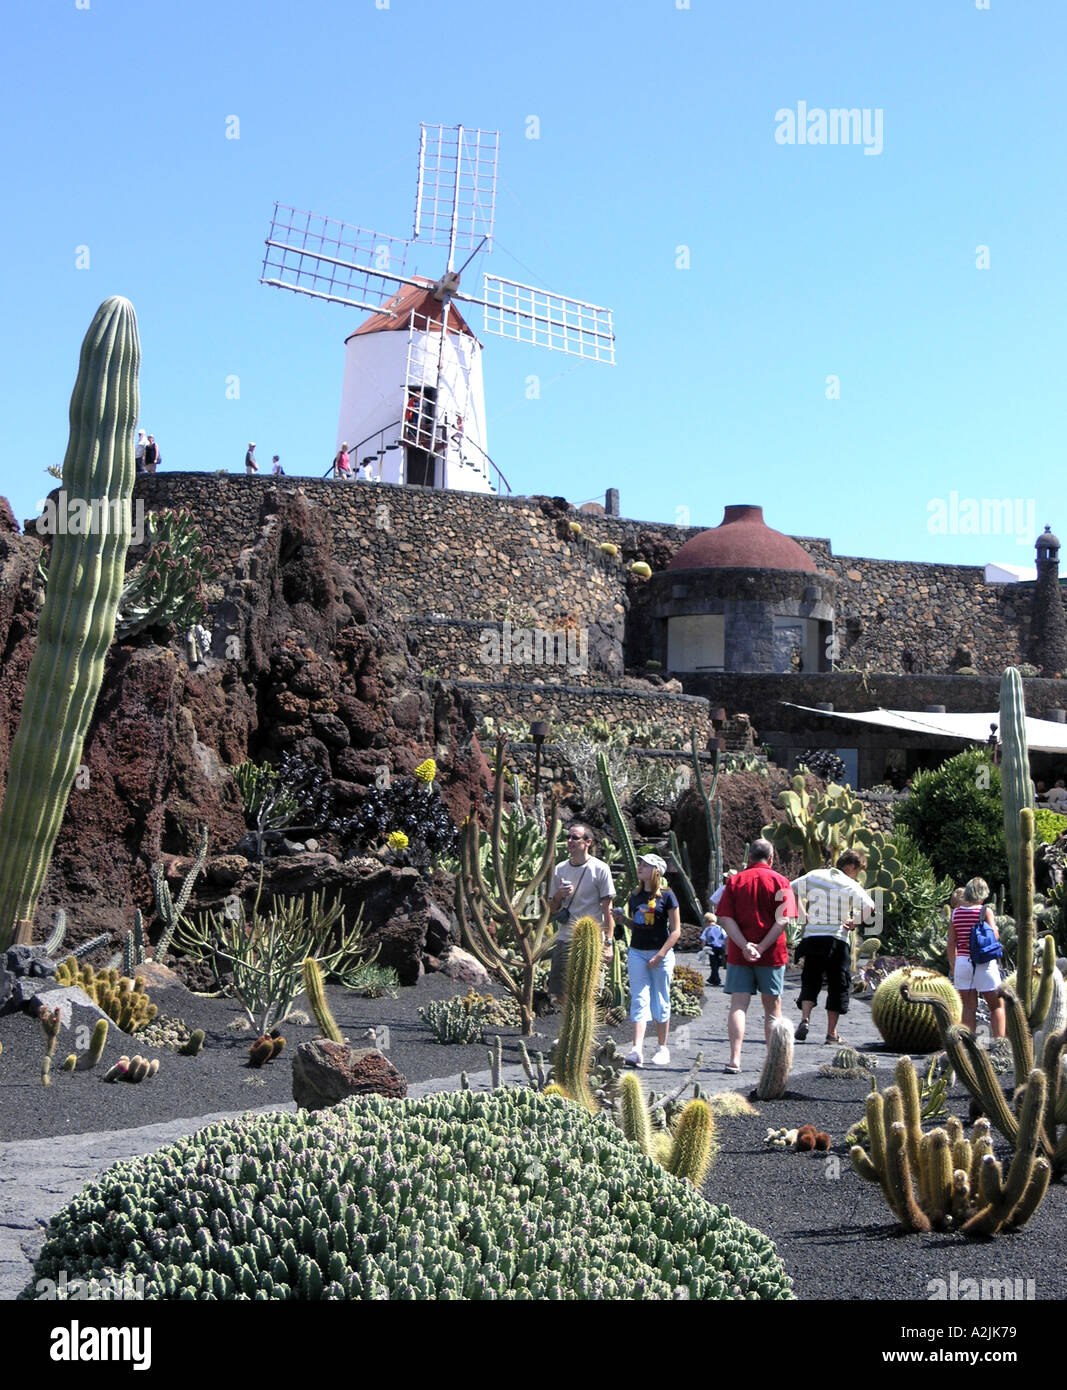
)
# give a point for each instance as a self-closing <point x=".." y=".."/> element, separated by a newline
<point x="415" y="405"/>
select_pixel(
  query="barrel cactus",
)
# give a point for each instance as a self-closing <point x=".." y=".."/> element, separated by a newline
<point x="77" y="622"/>
<point x="905" y="1027"/>
<point x="503" y="1195"/>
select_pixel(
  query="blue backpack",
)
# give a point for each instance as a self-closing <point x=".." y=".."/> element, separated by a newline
<point x="984" y="945"/>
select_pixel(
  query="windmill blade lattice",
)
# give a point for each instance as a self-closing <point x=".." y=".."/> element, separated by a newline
<point x="435" y="401"/>
<point x="455" y="198"/>
<point x="530" y="315"/>
<point x="332" y="260"/>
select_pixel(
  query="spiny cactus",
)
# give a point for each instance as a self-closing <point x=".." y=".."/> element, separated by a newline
<point x="170" y="912"/>
<point x="193" y="1045"/>
<point x="905" y="1027"/>
<point x="133" y="1069"/>
<point x="77" y="622"/>
<point x="125" y="1001"/>
<point x="133" y="946"/>
<point x="634" y="1118"/>
<point x="572" y="1058"/>
<point x="778" y="1063"/>
<point x="59" y="931"/>
<point x="940" y="1180"/>
<point x="503" y="920"/>
<point x="1016" y="790"/>
<point x="1035" y="1002"/>
<point x="694" y="1143"/>
<point x="51" y="1022"/>
<point x="316" y="994"/>
<point x="506" y="1195"/>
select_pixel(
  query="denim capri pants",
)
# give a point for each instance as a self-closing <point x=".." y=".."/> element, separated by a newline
<point x="650" y="988"/>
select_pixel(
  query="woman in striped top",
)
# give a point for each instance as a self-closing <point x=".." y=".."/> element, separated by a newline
<point x="970" y="979"/>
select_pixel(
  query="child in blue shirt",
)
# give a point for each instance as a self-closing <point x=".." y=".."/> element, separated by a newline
<point x="714" y="938"/>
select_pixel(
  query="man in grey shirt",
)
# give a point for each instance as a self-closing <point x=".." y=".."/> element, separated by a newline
<point x="583" y="887"/>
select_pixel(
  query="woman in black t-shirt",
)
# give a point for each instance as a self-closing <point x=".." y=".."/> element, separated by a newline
<point x="655" y="923"/>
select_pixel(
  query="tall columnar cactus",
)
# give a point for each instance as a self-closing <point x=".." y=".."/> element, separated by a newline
<point x="1035" y="1000"/>
<point x="1016" y="789"/>
<point x="78" y="619"/>
<point x="502" y="918"/>
<point x="573" y="1057"/>
<point x="629" y="881"/>
<point x="170" y="912"/>
<point x="694" y="1143"/>
<point x="778" y="1063"/>
<point x="634" y="1119"/>
<point x="316" y="993"/>
<point x="712" y="813"/>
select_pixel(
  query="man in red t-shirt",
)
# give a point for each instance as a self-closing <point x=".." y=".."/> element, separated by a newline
<point x="753" y="912"/>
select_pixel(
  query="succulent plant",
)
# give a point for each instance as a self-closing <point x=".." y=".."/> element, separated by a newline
<point x="125" y="1001"/>
<point x="778" y="1063"/>
<point x="506" y="1195"/>
<point x="907" y="1027"/>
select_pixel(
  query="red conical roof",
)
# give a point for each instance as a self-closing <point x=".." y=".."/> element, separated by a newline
<point x="742" y="541"/>
<point x="395" y="313"/>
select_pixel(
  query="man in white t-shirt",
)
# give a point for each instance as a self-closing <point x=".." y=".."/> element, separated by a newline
<point x="832" y="905"/>
<point x="581" y="886"/>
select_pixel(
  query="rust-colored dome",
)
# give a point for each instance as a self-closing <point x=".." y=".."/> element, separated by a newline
<point x="742" y="541"/>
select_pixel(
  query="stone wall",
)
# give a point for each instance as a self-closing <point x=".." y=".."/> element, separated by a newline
<point x="464" y="649"/>
<point x="469" y="556"/>
<point x="578" y="705"/>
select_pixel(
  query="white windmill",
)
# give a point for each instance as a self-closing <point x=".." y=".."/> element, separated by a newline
<point x="413" y="396"/>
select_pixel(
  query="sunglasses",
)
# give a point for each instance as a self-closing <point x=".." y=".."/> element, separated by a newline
<point x="577" y="837"/>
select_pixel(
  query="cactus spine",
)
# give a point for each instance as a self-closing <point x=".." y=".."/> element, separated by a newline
<point x="573" y="1057"/>
<point x="1016" y="791"/>
<point x="633" y="1112"/>
<point x="694" y="1143"/>
<point x="316" y="993"/>
<point x="778" y="1062"/>
<point x="78" y="619"/>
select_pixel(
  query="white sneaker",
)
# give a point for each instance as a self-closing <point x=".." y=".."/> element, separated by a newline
<point x="635" y="1058"/>
<point x="661" y="1057"/>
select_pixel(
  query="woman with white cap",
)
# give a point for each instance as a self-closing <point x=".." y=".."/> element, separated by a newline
<point x="656" y="924"/>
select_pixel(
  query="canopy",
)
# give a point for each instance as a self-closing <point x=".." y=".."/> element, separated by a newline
<point x="1042" y="735"/>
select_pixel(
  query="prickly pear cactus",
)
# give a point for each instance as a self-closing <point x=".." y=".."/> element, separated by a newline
<point x="908" y="1027"/>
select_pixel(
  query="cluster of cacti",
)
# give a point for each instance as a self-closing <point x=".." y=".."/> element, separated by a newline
<point x="93" y="1052"/>
<point x="804" y="1139"/>
<point x="503" y="919"/>
<point x="265" y="1048"/>
<point x="167" y="586"/>
<point x="689" y="981"/>
<point x="972" y="1066"/>
<point x="77" y="622"/>
<point x="942" y="1181"/>
<point x="684" y="1004"/>
<point x="132" y="1069"/>
<point x="687" y="1150"/>
<point x="169" y="911"/>
<point x="125" y="1001"/>
<point x="506" y="1195"/>
<point x="1016" y="789"/>
<point x="778" y="1062"/>
<point x="849" y="1064"/>
<point x="903" y="1024"/>
<point x="451" y="1022"/>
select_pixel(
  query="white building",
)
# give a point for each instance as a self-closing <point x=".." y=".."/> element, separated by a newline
<point x="415" y="404"/>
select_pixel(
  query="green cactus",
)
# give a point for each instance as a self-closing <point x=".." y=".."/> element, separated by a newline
<point x="51" y="1022"/>
<point x="77" y="622"/>
<point x="778" y="1062"/>
<point x="469" y="1195"/>
<point x="694" y="1143"/>
<point x="1016" y="789"/>
<point x="503" y="919"/>
<point x="97" y="1043"/>
<point x="59" y="931"/>
<point x="170" y="912"/>
<point x="627" y="882"/>
<point x="712" y="812"/>
<point x="316" y="994"/>
<point x="133" y="945"/>
<point x="634" y="1118"/>
<point x="903" y="1026"/>
<point x="573" y="1055"/>
<point x="193" y="1044"/>
<point x="261" y="1051"/>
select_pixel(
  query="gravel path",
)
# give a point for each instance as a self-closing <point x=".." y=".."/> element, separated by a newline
<point x="833" y="1231"/>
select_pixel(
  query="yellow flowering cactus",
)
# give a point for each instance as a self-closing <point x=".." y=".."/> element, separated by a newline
<point x="426" y="771"/>
<point x="396" y="839"/>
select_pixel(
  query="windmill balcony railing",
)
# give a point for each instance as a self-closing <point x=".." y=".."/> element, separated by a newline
<point x="502" y="484"/>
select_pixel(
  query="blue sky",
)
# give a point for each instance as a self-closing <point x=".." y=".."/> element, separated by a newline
<point x="657" y="132"/>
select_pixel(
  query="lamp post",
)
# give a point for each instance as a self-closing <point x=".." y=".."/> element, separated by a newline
<point x="538" y="732"/>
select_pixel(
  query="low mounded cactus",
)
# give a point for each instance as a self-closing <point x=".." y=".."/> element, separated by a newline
<point x="507" y="1195"/>
<point x="904" y="1027"/>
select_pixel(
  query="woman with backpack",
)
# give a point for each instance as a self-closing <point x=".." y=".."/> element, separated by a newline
<point x="973" y="977"/>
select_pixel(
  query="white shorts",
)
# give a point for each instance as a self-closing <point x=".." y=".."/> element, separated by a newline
<point x="984" y="978"/>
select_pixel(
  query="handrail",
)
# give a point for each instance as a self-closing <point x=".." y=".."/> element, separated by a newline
<point x="381" y="433"/>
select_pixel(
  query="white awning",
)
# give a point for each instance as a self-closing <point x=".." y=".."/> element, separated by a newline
<point x="1042" y="735"/>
